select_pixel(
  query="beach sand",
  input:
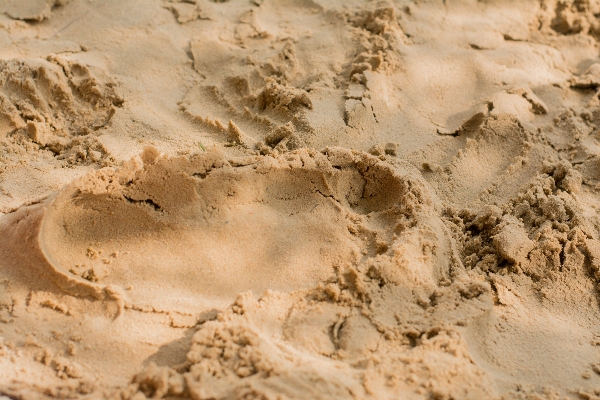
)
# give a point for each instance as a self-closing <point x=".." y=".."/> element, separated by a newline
<point x="303" y="199"/>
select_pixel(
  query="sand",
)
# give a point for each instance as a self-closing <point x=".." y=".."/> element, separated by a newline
<point x="300" y="199"/>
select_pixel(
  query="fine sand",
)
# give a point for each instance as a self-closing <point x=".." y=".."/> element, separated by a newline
<point x="299" y="199"/>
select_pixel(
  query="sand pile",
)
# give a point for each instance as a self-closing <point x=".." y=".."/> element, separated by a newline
<point x="299" y="199"/>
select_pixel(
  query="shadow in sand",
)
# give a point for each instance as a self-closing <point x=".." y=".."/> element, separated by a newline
<point x="174" y="353"/>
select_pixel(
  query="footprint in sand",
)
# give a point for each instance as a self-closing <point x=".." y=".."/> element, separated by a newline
<point x="185" y="233"/>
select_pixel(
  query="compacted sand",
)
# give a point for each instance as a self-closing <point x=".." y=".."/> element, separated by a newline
<point x="307" y="199"/>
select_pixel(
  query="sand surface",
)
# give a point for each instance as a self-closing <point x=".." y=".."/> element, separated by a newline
<point x="303" y="199"/>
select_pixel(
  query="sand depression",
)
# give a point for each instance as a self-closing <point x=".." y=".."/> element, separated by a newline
<point x="187" y="225"/>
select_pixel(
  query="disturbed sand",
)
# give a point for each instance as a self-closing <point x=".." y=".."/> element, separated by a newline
<point x="299" y="199"/>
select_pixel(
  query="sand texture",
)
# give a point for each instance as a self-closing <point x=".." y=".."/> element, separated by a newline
<point x="299" y="199"/>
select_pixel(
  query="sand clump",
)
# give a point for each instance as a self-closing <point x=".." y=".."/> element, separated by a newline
<point x="299" y="199"/>
<point x="54" y="100"/>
